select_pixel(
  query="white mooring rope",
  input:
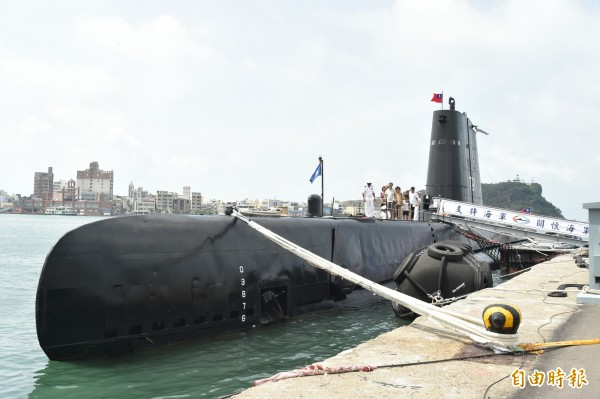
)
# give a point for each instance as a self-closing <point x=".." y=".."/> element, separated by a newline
<point x="466" y="325"/>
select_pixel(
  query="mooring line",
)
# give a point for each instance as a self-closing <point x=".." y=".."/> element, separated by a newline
<point x="465" y="325"/>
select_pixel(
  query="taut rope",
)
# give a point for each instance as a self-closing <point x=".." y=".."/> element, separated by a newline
<point x="465" y="325"/>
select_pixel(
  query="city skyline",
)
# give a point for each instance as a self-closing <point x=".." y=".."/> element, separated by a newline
<point x="135" y="192"/>
<point x="242" y="100"/>
<point x="94" y="169"/>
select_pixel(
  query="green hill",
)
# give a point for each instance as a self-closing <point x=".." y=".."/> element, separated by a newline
<point x="516" y="196"/>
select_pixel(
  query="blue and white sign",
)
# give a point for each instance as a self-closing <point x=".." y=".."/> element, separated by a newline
<point x="542" y="224"/>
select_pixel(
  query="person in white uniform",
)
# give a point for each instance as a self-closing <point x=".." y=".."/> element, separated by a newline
<point x="416" y="210"/>
<point x="414" y="201"/>
<point x="368" y="199"/>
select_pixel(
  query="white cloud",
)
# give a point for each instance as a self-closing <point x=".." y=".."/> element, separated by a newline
<point x="55" y="79"/>
<point x="89" y="124"/>
<point x="162" y="42"/>
<point x="21" y="133"/>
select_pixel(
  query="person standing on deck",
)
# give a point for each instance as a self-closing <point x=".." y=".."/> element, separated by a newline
<point x="412" y="198"/>
<point x="389" y="199"/>
<point x="399" y="202"/>
<point x="369" y="200"/>
<point x="405" y="207"/>
<point x="417" y="204"/>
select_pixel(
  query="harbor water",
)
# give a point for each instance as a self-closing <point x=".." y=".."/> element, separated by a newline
<point x="210" y="367"/>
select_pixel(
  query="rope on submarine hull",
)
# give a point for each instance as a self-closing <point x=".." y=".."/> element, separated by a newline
<point x="465" y="325"/>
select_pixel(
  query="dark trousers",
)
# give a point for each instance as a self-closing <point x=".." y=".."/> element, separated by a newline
<point x="390" y="208"/>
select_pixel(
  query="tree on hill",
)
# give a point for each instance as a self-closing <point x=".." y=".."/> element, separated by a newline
<point x="517" y="196"/>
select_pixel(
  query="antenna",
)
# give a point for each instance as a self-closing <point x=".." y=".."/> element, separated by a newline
<point x="480" y="130"/>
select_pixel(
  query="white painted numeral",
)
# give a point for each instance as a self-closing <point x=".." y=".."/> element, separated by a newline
<point x="243" y="283"/>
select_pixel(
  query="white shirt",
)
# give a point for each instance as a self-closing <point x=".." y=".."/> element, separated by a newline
<point x="413" y="198"/>
<point x="369" y="193"/>
<point x="390" y="194"/>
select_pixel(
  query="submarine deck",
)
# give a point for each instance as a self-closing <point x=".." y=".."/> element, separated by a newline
<point x="544" y="319"/>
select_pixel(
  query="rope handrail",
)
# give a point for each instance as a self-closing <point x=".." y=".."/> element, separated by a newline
<point x="466" y="325"/>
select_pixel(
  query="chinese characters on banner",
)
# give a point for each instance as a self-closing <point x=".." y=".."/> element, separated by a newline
<point x="505" y="217"/>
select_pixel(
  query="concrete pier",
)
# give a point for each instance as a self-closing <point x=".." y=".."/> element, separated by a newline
<point x="425" y="360"/>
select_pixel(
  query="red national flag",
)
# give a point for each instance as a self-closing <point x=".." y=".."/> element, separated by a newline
<point x="438" y="98"/>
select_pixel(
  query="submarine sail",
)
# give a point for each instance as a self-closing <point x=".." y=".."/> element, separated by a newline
<point x="453" y="170"/>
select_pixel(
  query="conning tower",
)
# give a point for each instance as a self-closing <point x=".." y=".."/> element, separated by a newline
<point x="453" y="171"/>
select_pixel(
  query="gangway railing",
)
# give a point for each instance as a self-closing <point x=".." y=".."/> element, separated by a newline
<point x="511" y="222"/>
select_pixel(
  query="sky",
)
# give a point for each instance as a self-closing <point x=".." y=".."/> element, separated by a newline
<point x="238" y="99"/>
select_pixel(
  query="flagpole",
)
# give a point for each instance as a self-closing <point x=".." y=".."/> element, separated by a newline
<point x="322" y="184"/>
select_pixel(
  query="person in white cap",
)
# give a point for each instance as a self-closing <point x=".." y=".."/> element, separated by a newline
<point x="368" y="199"/>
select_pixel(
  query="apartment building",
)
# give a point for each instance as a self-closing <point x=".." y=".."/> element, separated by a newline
<point x="165" y="201"/>
<point x="94" y="182"/>
<point x="43" y="185"/>
<point x="65" y="191"/>
<point x="196" y="202"/>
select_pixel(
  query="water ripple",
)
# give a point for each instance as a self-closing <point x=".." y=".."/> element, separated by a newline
<point x="209" y="368"/>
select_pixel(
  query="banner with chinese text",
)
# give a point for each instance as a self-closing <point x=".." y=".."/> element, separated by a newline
<point x="542" y="224"/>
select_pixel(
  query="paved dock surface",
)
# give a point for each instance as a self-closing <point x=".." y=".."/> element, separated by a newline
<point x="425" y="360"/>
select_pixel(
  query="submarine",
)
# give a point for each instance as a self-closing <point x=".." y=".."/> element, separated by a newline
<point x="135" y="283"/>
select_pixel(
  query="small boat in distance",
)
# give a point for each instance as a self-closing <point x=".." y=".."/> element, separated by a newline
<point x="60" y="210"/>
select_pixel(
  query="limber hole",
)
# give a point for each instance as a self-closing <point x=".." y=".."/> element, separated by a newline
<point x="217" y="317"/>
<point x="110" y="333"/>
<point x="137" y="329"/>
<point x="179" y="322"/>
<point x="158" y="325"/>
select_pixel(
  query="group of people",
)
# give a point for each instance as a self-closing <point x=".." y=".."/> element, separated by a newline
<point x="394" y="203"/>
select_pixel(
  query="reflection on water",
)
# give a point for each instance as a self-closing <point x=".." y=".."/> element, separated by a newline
<point x="217" y="366"/>
<point x="209" y="367"/>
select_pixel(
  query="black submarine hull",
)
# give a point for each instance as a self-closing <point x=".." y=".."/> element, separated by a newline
<point x="138" y="282"/>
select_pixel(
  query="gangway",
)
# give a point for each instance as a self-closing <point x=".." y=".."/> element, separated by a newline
<point x="510" y="222"/>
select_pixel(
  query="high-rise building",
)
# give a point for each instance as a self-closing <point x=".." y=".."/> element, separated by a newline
<point x="43" y="184"/>
<point x="131" y="195"/>
<point x="94" y="182"/>
<point x="165" y="201"/>
<point x="196" y="202"/>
